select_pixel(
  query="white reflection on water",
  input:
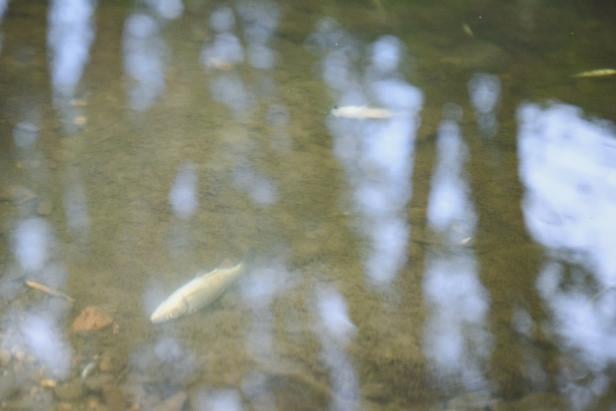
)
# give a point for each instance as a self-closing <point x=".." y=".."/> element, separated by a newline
<point x="377" y="155"/>
<point x="260" y="189"/>
<point x="568" y="165"/>
<point x="450" y="210"/>
<point x="25" y="134"/>
<point x="69" y="38"/>
<point x="167" y="9"/>
<point x="3" y="6"/>
<point x="31" y="244"/>
<point x="225" y="51"/>
<point x="334" y="329"/>
<point x="456" y="339"/>
<point x="144" y="52"/>
<point x="259" y="289"/>
<point x="260" y="20"/>
<point x="222" y="19"/>
<point x="183" y="194"/>
<point x="218" y="400"/>
<point x="484" y="90"/>
<point x="76" y="206"/>
<point x="44" y="340"/>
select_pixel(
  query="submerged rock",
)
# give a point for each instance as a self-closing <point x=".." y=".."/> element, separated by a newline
<point x="91" y="319"/>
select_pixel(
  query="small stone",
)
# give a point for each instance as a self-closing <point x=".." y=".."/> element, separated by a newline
<point x="80" y="121"/>
<point x="48" y="383"/>
<point x="91" y="319"/>
<point x="78" y="102"/>
<point x="69" y="391"/>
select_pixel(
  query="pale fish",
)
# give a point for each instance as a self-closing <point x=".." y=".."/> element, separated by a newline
<point x="362" y="112"/>
<point x="605" y="72"/>
<point x="198" y="292"/>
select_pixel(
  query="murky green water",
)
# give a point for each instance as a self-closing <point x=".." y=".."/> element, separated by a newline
<point x="442" y="241"/>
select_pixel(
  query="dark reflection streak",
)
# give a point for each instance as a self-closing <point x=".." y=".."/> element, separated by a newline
<point x="507" y="271"/>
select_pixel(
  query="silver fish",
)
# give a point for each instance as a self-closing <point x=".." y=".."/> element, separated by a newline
<point x="362" y="112"/>
<point x="198" y="292"/>
<point x="605" y="72"/>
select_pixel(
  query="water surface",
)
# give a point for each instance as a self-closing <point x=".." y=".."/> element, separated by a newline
<point x="456" y="255"/>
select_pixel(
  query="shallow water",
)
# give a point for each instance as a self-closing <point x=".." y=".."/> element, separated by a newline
<point x="455" y="255"/>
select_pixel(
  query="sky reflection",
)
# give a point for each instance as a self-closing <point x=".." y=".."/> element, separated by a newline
<point x="456" y="338"/>
<point x="144" y="52"/>
<point x="183" y="195"/>
<point x="334" y="329"/>
<point x="31" y="244"/>
<point x="70" y="36"/>
<point x="568" y="165"/>
<point x="484" y="90"/>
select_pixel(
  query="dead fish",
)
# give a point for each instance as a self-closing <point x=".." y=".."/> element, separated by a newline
<point x="362" y="112"/>
<point x="605" y="72"/>
<point x="198" y="292"/>
<point x="467" y="30"/>
<point x="47" y="290"/>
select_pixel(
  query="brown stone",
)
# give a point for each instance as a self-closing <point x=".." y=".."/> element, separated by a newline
<point x="91" y="319"/>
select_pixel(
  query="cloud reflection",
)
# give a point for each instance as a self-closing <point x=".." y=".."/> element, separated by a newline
<point x="334" y="329"/>
<point x="568" y="165"/>
<point x="31" y="244"/>
<point x="144" y="51"/>
<point x="260" y="20"/>
<point x="69" y="38"/>
<point x="260" y="189"/>
<point x="218" y="400"/>
<point x="484" y="90"/>
<point x="3" y="6"/>
<point x="167" y="9"/>
<point x="456" y="340"/>
<point x="183" y="195"/>
<point x="450" y="211"/>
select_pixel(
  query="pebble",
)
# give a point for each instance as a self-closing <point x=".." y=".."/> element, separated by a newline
<point x="48" y="383"/>
<point x="69" y="391"/>
<point x="80" y="121"/>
